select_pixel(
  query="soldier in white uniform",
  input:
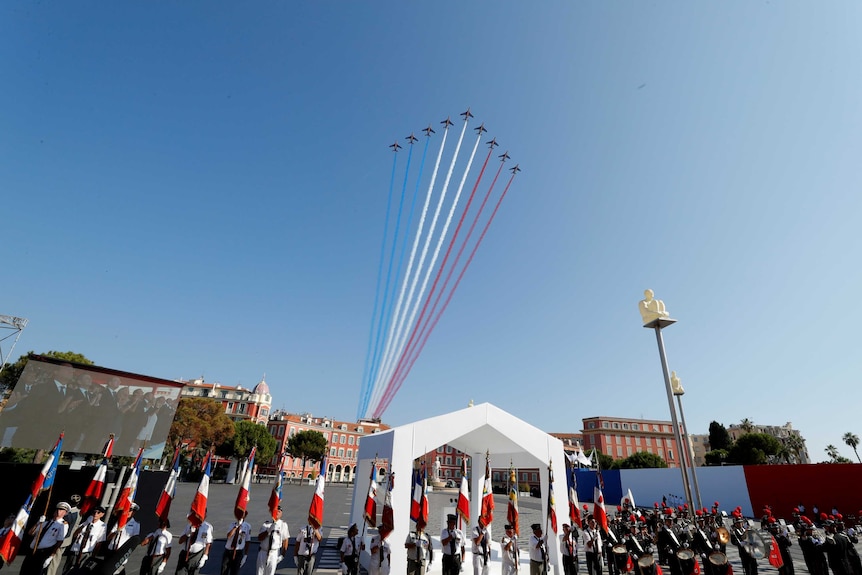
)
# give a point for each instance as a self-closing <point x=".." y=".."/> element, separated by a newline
<point x="274" y="539"/>
<point x="307" y="542"/>
<point x="481" y="549"/>
<point x="48" y="535"/>
<point x="196" y="543"/>
<point x="378" y="564"/>
<point x="350" y="552"/>
<point x="509" y="550"/>
<point x="86" y="540"/>
<point x="538" y="551"/>
<point x="158" y="545"/>
<point x="236" y="546"/>
<point x="419" y="552"/>
<point x="452" y="540"/>
<point x="73" y="520"/>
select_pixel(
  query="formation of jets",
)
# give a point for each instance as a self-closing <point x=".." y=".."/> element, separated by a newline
<point x="480" y="129"/>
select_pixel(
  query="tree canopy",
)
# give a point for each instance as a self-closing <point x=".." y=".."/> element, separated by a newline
<point x="715" y="457"/>
<point x="12" y="371"/>
<point x="641" y="460"/>
<point x="753" y="449"/>
<point x="248" y="434"/>
<point x="719" y="438"/>
<point x="852" y="440"/>
<point x="201" y="421"/>
<point x="308" y="445"/>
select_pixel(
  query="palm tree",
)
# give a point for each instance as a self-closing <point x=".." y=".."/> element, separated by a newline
<point x="747" y="425"/>
<point x="832" y="452"/>
<point x="852" y="440"/>
<point x="796" y="445"/>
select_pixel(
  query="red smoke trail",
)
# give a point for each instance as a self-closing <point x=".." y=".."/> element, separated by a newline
<point x="409" y="352"/>
<point x="397" y="385"/>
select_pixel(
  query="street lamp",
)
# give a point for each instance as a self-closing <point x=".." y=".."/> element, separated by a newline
<point x="679" y="391"/>
<point x="655" y="316"/>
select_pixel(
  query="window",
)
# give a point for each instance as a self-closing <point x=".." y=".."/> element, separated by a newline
<point x="449" y="473"/>
<point x="628" y="450"/>
<point x="357" y="441"/>
<point x="343" y="438"/>
<point x="264" y="412"/>
<point x="495" y="475"/>
<point x="636" y="427"/>
<point x="448" y="460"/>
<point x="341" y="452"/>
<point x="349" y="454"/>
<point x="591" y="425"/>
<point x="616" y="425"/>
<point x="618" y="439"/>
<point x="628" y="440"/>
<point x="448" y="449"/>
<point x="661" y="453"/>
<point x="360" y="429"/>
<point x="326" y="436"/>
<point x="619" y="451"/>
<point x="535" y="476"/>
<point x="350" y="440"/>
<point x="655" y="428"/>
<point x="605" y="424"/>
<point x="281" y="431"/>
<point x="457" y="473"/>
<point x="229" y="406"/>
<point x="242" y="407"/>
<point x="625" y="425"/>
<point x="458" y="460"/>
<point x="332" y="451"/>
<point x="670" y="454"/>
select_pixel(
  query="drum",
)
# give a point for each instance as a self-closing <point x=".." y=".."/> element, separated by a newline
<point x="646" y="564"/>
<point x="718" y="558"/>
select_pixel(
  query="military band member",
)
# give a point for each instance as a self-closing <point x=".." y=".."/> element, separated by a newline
<point x="452" y="541"/>
<point x="737" y="537"/>
<point x="419" y="552"/>
<point x="158" y="544"/>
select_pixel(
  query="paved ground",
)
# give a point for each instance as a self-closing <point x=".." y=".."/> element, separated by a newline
<point x="338" y="501"/>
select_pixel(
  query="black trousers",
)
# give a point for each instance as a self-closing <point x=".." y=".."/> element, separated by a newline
<point x="188" y="563"/>
<point x="230" y="561"/>
<point x="451" y="564"/>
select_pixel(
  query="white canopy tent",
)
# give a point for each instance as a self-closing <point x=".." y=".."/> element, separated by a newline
<point x="474" y="431"/>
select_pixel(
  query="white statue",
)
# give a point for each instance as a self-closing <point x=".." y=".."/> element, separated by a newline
<point x="651" y="309"/>
<point x="675" y="384"/>
<point x="437" y="473"/>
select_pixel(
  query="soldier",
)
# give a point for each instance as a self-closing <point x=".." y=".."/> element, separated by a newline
<point x="592" y="547"/>
<point x="305" y="550"/>
<point x="86" y="540"/>
<point x="538" y="551"/>
<point x="158" y="545"/>
<point x="452" y="541"/>
<point x="197" y="541"/>
<point x="236" y="546"/>
<point x="419" y="552"/>
<point x="481" y="548"/>
<point x="350" y="552"/>
<point x="378" y="564"/>
<point x="836" y="548"/>
<point x="274" y="540"/>
<point x="509" y="549"/>
<point x="737" y="537"/>
<point x="47" y="536"/>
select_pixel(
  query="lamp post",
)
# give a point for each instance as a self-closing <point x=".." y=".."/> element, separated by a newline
<point x="679" y="391"/>
<point x="656" y="317"/>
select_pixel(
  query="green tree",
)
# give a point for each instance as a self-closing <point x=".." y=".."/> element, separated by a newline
<point x="248" y="434"/>
<point x="605" y="461"/>
<point x="753" y="449"/>
<point x="715" y="457"/>
<point x="852" y="440"/>
<point x="747" y="425"/>
<point x="834" y="456"/>
<point x="796" y="445"/>
<point x="641" y="460"/>
<point x="719" y="438"/>
<point x="12" y="371"/>
<point x="200" y="421"/>
<point x="308" y="445"/>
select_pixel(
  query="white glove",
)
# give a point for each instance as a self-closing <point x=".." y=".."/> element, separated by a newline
<point x="203" y="560"/>
<point x="344" y="568"/>
<point x="161" y="566"/>
<point x="47" y="562"/>
<point x="280" y="558"/>
<point x="42" y="519"/>
<point x="242" y="561"/>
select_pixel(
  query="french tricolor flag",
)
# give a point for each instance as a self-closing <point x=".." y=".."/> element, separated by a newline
<point x="275" y="496"/>
<point x="163" y="507"/>
<point x="198" y="512"/>
<point x="97" y="485"/>
<point x="419" y="504"/>
<point x="127" y="495"/>
<point x="243" y="497"/>
<point x="315" y="511"/>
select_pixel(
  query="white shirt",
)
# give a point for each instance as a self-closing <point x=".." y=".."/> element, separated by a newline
<point x="307" y="542"/>
<point x="277" y="533"/>
<point x="131" y="529"/>
<point x="204" y="538"/>
<point x="241" y="538"/>
<point x="420" y="552"/>
<point x="459" y="541"/>
<point x="53" y="532"/>
<point x="509" y="554"/>
<point x="536" y="549"/>
<point x="161" y="541"/>
<point x="564" y="546"/>
<point x="592" y="541"/>
<point x="376" y="548"/>
<point x="95" y="532"/>
<point x="477" y="549"/>
<point x="349" y="547"/>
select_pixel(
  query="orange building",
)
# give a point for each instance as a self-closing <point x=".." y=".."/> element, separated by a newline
<point x="620" y="437"/>
<point x="240" y="404"/>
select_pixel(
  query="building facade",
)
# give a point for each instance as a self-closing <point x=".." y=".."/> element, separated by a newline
<point x="621" y="437"/>
<point x="240" y="404"/>
<point x="342" y="440"/>
<point x="790" y="438"/>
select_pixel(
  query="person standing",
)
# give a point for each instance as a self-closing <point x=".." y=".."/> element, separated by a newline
<point x="350" y="552"/>
<point x="86" y="540"/>
<point x="118" y="537"/>
<point x="307" y="542"/>
<point x="236" y="546"/>
<point x="274" y="540"/>
<point x="592" y="547"/>
<point x="196" y="541"/>
<point x="481" y="548"/>
<point x="509" y="549"/>
<point x="419" y="552"/>
<point x="47" y="536"/>
<point x="378" y="564"/>
<point x="158" y="544"/>
<point x="538" y="551"/>
<point x="452" y="541"/>
<point x="569" y="546"/>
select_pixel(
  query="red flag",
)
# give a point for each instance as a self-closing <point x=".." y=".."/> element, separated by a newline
<point x="512" y="511"/>
<point x="552" y="511"/>
<point x="198" y="511"/>
<point x="487" y="514"/>
<point x="574" y="505"/>
<point x="275" y="495"/>
<point x="11" y="540"/>
<point x="388" y="518"/>
<point x="315" y="511"/>
<point x="163" y="507"/>
<point x="775" y="555"/>
<point x="599" y="508"/>
<point x="371" y="498"/>
<point x="127" y="495"/>
<point x="243" y="497"/>
<point x="419" y="503"/>
<point x="630" y="565"/>
<point x="463" y="507"/>
<point x="96" y="489"/>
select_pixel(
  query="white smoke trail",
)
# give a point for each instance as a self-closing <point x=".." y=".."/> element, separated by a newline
<point x="377" y="388"/>
<point x="430" y="268"/>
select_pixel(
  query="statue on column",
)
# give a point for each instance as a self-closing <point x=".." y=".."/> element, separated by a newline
<point x="675" y="384"/>
<point x="652" y="309"/>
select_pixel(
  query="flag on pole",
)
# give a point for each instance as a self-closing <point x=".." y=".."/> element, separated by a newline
<point x="275" y="495"/>
<point x="599" y="505"/>
<point x="163" y="507"/>
<point x="96" y="489"/>
<point x="552" y="511"/>
<point x="419" y="503"/>
<point x="574" y="506"/>
<point x="387" y="520"/>
<point x="315" y="511"/>
<point x="11" y="540"/>
<point x="127" y="495"/>
<point x="198" y="511"/>
<point x="463" y="506"/>
<point x="512" y="511"/>
<point x="487" y="513"/>
<point x="243" y="497"/>
<point x="630" y="498"/>
<point x="775" y="558"/>
<point x="370" y="513"/>
<point x="583" y="459"/>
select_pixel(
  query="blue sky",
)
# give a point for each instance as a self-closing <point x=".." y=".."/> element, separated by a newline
<point x="199" y="188"/>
